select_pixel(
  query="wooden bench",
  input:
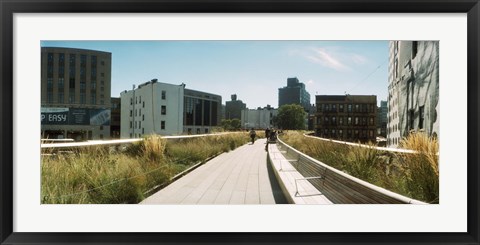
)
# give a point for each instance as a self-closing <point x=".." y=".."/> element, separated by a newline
<point x="296" y="188"/>
<point x="338" y="186"/>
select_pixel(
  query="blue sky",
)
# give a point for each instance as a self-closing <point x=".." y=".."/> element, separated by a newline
<point x="254" y="70"/>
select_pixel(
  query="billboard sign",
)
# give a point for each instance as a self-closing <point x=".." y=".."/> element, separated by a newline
<point x="55" y="116"/>
<point x="75" y="116"/>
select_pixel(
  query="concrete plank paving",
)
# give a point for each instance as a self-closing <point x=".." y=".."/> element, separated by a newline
<point x="241" y="176"/>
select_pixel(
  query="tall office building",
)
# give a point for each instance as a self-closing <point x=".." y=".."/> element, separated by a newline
<point x="233" y="108"/>
<point x="294" y="93"/>
<point x="75" y="93"/>
<point x="346" y="117"/>
<point x="413" y="89"/>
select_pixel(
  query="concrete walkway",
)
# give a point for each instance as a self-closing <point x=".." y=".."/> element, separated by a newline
<point x="241" y="176"/>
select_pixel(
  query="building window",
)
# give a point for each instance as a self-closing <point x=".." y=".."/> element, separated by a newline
<point x="356" y="120"/>
<point x="340" y="120"/>
<point x="371" y="121"/>
<point x="139" y="124"/>
<point x="414" y="49"/>
<point x="349" y="108"/>
<point x="143" y="104"/>
<point x="334" y="121"/>
<point x="340" y="108"/>
<point x="131" y="101"/>
<point x="349" y="120"/>
<point x="135" y="124"/>
<point x="50" y="97"/>
<point x="143" y="117"/>
<point x="164" y="110"/>
<point x="395" y="71"/>
<point x="93" y="98"/>
<point x="334" y="107"/>
<point x="206" y="130"/>
<point x="131" y="113"/>
<point x="421" y="112"/>
<point x="131" y="126"/>
<point x="162" y="125"/>
<point x="83" y="98"/>
<point x="412" y="119"/>
<point x="60" y="97"/>
<point x="71" y="97"/>
<point x="164" y="94"/>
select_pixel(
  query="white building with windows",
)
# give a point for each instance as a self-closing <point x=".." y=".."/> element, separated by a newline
<point x="152" y="108"/>
<point x="260" y="118"/>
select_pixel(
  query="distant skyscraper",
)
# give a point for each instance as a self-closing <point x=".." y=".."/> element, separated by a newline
<point x="294" y="93"/>
<point x="413" y="89"/>
<point x="233" y="108"/>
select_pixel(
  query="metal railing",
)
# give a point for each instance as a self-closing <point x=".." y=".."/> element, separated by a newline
<point x="120" y="141"/>
<point x="363" y="145"/>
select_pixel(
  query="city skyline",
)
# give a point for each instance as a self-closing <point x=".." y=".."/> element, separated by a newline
<point x="253" y="70"/>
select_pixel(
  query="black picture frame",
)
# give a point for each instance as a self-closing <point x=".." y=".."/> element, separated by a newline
<point x="9" y="7"/>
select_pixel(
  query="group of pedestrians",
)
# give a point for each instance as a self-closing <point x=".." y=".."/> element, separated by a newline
<point x="270" y="135"/>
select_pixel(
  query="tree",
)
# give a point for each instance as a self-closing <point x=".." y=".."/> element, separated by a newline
<point x="231" y="124"/>
<point x="236" y="124"/>
<point x="291" y="117"/>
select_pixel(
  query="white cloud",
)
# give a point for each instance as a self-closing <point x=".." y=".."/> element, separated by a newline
<point x="359" y="59"/>
<point x="331" y="57"/>
<point x="327" y="58"/>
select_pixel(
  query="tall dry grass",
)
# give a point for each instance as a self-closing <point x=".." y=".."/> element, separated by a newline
<point x="421" y="169"/>
<point x="103" y="175"/>
<point x="413" y="175"/>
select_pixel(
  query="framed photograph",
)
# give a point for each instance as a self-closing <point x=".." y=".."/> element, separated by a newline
<point x="320" y="33"/>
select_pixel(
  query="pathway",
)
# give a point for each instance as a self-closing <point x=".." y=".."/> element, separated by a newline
<point x="241" y="176"/>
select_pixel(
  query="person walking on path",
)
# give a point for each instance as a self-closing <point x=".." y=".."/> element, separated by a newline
<point x="252" y="135"/>
<point x="267" y="134"/>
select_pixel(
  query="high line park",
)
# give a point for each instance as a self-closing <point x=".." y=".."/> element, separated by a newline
<point x="249" y="174"/>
